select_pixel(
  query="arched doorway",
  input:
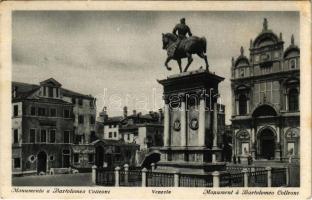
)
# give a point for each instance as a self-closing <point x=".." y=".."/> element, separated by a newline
<point x="267" y="144"/>
<point x="99" y="156"/>
<point x="41" y="162"/>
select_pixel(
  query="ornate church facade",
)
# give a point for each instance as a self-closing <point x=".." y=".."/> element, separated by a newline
<point x="265" y="99"/>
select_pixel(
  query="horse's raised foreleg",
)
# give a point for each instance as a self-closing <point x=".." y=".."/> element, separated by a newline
<point x="166" y="63"/>
<point x="189" y="61"/>
<point x="179" y="63"/>
<point x="203" y="56"/>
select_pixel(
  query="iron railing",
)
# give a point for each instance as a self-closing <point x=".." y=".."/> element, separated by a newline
<point x="105" y="177"/>
<point x="232" y="180"/>
<point x="159" y="179"/>
<point x="258" y="178"/>
<point x="278" y="177"/>
<point x="195" y="180"/>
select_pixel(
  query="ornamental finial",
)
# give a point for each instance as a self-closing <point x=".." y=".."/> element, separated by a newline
<point x="250" y="43"/>
<point x="265" y="24"/>
<point x="242" y="50"/>
<point x="281" y="36"/>
<point x="232" y="61"/>
<point x="292" y="39"/>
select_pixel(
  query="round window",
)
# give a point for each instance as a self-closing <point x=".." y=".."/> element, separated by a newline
<point x="32" y="158"/>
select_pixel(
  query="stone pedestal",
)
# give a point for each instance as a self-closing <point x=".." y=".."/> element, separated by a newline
<point x="190" y="124"/>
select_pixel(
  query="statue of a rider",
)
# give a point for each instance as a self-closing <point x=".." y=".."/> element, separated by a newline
<point x="182" y="30"/>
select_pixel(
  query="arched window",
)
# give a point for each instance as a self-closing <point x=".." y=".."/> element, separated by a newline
<point x="242" y="104"/>
<point x="293" y="100"/>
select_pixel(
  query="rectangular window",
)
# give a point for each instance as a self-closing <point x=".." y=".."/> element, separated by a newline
<point x="66" y="113"/>
<point x="43" y="136"/>
<point x="15" y="137"/>
<point x="80" y="102"/>
<point x="57" y="92"/>
<point x="32" y="135"/>
<point x="41" y="111"/>
<point x="52" y="136"/>
<point x="17" y="163"/>
<point x="115" y="134"/>
<point x="92" y="120"/>
<point x="15" y="110"/>
<point x="110" y="126"/>
<point x="80" y="119"/>
<point x="53" y="112"/>
<point x="110" y="134"/>
<point x="50" y="91"/>
<point x="66" y="137"/>
<point x="44" y="91"/>
<point x="91" y="103"/>
<point x="90" y="158"/>
<point x="76" y="158"/>
<point x="33" y="110"/>
<point x="73" y="100"/>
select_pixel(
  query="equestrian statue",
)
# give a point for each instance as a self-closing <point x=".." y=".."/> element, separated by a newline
<point x="179" y="46"/>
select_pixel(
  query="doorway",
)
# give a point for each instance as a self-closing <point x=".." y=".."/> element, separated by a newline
<point x="267" y="144"/>
<point x="99" y="156"/>
<point x="41" y="162"/>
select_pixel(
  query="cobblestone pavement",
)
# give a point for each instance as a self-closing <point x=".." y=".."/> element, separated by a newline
<point x="83" y="179"/>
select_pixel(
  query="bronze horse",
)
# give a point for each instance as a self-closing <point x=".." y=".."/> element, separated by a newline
<point x="187" y="47"/>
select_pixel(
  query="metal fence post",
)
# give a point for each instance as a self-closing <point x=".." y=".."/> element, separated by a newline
<point x="245" y="171"/>
<point x="126" y="167"/>
<point x="94" y="174"/>
<point x="117" y="176"/>
<point x="144" y="170"/>
<point x="287" y="175"/>
<point x="269" y="176"/>
<point x="176" y="178"/>
<point x="216" y="179"/>
<point x="153" y="166"/>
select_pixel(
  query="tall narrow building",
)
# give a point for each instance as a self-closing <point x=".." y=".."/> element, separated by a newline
<point x="265" y="98"/>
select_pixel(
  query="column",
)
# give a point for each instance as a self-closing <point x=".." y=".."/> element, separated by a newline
<point x="286" y="102"/>
<point x="215" y="131"/>
<point x="248" y="106"/>
<point x="237" y="107"/>
<point x="253" y="147"/>
<point x="183" y="122"/>
<point x="215" y="125"/>
<point x="166" y="124"/>
<point x="278" y="144"/>
<point x="201" y="122"/>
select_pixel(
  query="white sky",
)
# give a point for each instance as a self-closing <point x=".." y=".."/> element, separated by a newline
<point x="117" y="55"/>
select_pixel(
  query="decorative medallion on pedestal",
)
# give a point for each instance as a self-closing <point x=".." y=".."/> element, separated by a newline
<point x="194" y="124"/>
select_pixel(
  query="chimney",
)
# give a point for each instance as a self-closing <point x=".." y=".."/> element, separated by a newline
<point x="134" y="112"/>
<point x="125" y="111"/>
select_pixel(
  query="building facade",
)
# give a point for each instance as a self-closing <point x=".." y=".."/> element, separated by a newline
<point x="84" y="115"/>
<point x="42" y="128"/>
<point x="44" y="131"/>
<point x="265" y="99"/>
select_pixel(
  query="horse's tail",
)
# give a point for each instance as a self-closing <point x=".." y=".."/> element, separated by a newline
<point x="204" y="44"/>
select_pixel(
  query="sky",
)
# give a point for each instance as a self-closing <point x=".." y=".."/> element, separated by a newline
<point x="117" y="56"/>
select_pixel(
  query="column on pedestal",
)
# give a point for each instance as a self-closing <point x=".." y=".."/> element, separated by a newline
<point x="215" y="125"/>
<point x="277" y="146"/>
<point x="215" y="132"/>
<point x="202" y="120"/>
<point x="166" y="123"/>
<point x="183" y="121"/>
<point x="237" y="107"/>
<point x="253" y="150"/>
